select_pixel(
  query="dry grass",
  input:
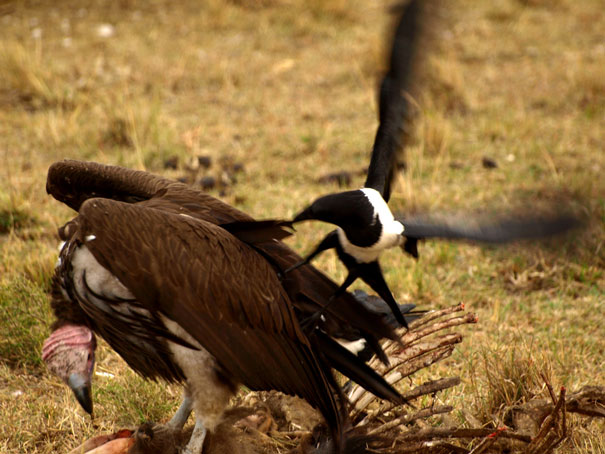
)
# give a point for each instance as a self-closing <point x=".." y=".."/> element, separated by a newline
<point x="288" y="88"/>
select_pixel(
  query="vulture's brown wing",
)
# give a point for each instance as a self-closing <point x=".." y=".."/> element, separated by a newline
<point x="217" y="288"/>
<point x="74" y="182"/>
<point x="311" y="290"/>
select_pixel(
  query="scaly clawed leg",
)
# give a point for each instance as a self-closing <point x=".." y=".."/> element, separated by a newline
<point x="196" y="442"/>
<point x="182" y="414"/>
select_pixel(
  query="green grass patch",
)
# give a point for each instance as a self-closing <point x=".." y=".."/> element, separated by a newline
<point x="24" y="316"/>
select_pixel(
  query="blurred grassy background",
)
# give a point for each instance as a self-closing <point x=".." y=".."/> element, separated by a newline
<point x="287" y="89"/>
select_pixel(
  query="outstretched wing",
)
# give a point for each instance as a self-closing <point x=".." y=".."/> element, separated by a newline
<point x="498" y="231"/>
<point x="393" y="104"/>
<point x="217" y="288"/>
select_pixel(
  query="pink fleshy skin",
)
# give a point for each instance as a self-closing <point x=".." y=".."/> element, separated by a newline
<point x="117" y="446"/>
<point x="92" y="443"/>
<point x="67" y="335"/>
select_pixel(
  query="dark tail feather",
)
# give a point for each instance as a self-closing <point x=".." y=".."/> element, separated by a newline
<point x="253" y="232"/>
<point x="351" y="366"/>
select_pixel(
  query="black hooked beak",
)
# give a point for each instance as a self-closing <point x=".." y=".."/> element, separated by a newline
<point x="80" y="385"/>
<point x="305" y="215"/>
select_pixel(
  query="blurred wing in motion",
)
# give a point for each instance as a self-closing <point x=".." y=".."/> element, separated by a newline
<point x="499" y="231"/>
<point x="393" y="104"/>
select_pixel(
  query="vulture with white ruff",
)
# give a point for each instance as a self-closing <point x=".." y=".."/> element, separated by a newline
<point x="151" y="266"/>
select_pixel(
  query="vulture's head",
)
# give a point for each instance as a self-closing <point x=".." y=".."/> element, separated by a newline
<point x="69" y="352"/>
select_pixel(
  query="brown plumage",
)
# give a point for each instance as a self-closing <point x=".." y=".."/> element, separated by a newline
<point x="152" y="267"/>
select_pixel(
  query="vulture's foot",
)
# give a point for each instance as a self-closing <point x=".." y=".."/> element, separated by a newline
<point x="196" y="442"/>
